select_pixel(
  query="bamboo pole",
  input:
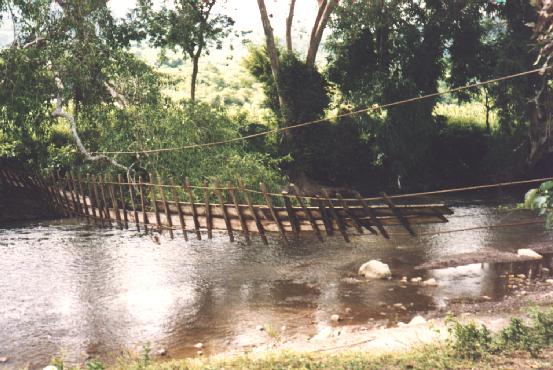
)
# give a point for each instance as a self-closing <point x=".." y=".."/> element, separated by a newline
<point x="224" y="209"/>
<point x="143" y="204"/>
<point x="132" y="183"/>
<point x="93" y="202"/>
<point x="273" y="213"/>
<point x="114" y="202"/>
<point x="397" y="212"/>
<point x="166" y="207"/>
<point x="308" y="214"/>
<point x="154" y="202"/>
<point x="179" y="208"/>
<point x="294" y="223"/>
<point x="122" y="200"/>
<point x="258" y="223"/>
<point x="208" y="220"/>
<point x="193" y="209"/>
<point x="336" y="216"/>
<point x="243" y="223"/>
<point x="374" y="220"/>
<point x="100" y="204"/>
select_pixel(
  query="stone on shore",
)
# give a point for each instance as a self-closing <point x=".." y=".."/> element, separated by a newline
<point x="526" y="252"/>
<point x="417" y="320"/>
<point x="375" y="270"/>
<point x="430" y="282"/>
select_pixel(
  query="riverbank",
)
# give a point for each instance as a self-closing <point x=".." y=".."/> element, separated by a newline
<point x="437" y="342"/>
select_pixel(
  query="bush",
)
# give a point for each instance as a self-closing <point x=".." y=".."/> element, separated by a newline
<point x="467" y="340"/>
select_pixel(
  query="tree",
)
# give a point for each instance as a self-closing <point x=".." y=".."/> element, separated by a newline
<point x="190" y="26"/>
<point x="70" y="53"/>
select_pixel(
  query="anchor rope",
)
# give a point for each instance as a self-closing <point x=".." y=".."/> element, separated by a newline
<point x="372" y="108"/>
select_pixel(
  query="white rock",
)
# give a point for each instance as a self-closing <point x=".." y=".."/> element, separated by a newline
<point x="199" y="345"/>
<point x="526" y="252"/>
<point x="417" y="320"/>
<point x="325" y="333"/>
<point x="3" y="360"/>
<point x="400" y="306"/>
<point x="404" y="279"/>
<point x="401" y="324"/>
<point x="375" y="270"/>
<point x="521" y="276"/>
<point x="416" y="280"/>
<point x="430" y="282"/>
<point x="50" y="367"/>
<point x="335" y="318"/>
<point x="549" y="281"/>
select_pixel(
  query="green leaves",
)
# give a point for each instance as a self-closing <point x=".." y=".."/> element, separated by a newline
<point x="541" y="200"/>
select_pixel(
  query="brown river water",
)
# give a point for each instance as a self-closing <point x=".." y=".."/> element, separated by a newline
<point x="72" y="289"/>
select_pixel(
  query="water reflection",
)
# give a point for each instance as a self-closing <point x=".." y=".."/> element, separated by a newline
<point x="89" y="292"/>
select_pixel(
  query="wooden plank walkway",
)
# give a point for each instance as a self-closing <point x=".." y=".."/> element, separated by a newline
<point x="188" y="210"/>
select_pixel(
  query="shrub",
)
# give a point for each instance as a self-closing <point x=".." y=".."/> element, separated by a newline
<point x="467" y="340"/>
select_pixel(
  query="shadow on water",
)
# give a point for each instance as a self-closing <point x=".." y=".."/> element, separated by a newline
<point x="70" y="287"/>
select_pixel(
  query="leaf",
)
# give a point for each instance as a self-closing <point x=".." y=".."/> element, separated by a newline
<point x="539" y="202"/>
<point x="546" y="186"/>
<point x="529" y="198"/>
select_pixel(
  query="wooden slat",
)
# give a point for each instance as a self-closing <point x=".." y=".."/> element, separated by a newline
<point x="166" y="208"/>
<point x="397" y="212"/>
<point x="258" y="224"/>
<point x="114" y="203"/>
<point x="179" y="209"/>
<point x="132" y="183"/>
<point x="99" y="202"/>
<point x="154" y="202"/>
<point x="85" y="203"/>
<point x="103" y="191"/>
<point x="336" y="216"/>
<point x="354" y="218"/>
<point x="324" y="216"/>
<point x="143" y="204"/>
<point x="370" y="213"/>
<point x="281" y="230"/>
<point x="243" y="224"/>
<point x="207" y="209"/>
<point x="193" y="208"/>
<point x="294" y="223"/>
<point x="93" y="202"/>
<point x="308" y="214"/>
<point x="122" y="200"/>
<point x="67" y="203"/>
<point x="224" y="210"/>
<point x="74" y="195"/>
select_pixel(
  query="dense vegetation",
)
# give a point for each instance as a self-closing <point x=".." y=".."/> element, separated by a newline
<point x="74" y="68"/>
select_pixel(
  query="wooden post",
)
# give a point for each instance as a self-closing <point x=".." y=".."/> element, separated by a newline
<point x="193" y="208"/>
<point x="374" y="220"/>
<point x="397" y="212"/>
<point x="243" y="223"/>
<point x="74" y="195"/>
<point x="133" y="202"/>
<point x="122" y="200"/>
<point x="294" y="223"/>
<point x="57" y="195"/>
<point x="114" y="202"/>
<point x="273" y="213"/>
<point x="258" y="223"/>
<point x="356" y="221"/>
<point x="107" y="212"/>
<point x="67" y="204"/>
<point x="48" y="193"/>
<point x="83" y="195"/>
<point x="179" y="208"/>
<point x="308" y="214"/>
<point x="207" y="211"/>
<point x="336" y="216"/>
<point x="224" y="209"/>
<point x="99" y="202"/>
<point x="326" y="221"/>
<point x="154" y="201"/>
<point x="143" y="205"/>
<point x="93" y="201"/>
<point x="166" y="207"/>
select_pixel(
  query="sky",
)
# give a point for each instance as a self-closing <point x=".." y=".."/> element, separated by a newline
<point x="244" y="12"/>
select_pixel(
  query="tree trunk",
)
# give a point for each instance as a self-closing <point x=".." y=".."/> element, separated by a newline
<point x="194" y="77"/>
<point x="325" y="10"/>
<point x="273" y="58"/>
<point x="289" y="21"/>
<point x="488" y="108"/>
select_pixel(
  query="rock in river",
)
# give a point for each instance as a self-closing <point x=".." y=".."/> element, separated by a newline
<point x="375" y="270"/>
<point x="529" y="253"/>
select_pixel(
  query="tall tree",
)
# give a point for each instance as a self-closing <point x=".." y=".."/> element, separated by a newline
<point x="189" y="25"/>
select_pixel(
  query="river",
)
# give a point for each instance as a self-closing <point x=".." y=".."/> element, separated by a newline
<point x="69" y="288"/>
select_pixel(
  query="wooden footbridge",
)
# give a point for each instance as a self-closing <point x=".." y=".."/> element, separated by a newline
<point x="197" y="211"/>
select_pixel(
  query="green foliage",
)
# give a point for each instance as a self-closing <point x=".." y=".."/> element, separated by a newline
<point x="541" y="200"/>
<point x="94" y="365"/>
<point x="467" y="340"/>
<point x="519" y="336"/>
